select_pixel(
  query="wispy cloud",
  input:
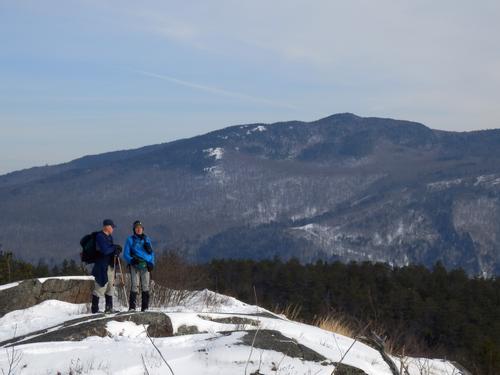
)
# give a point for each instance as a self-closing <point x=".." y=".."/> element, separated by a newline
<point x="217" y="91"/>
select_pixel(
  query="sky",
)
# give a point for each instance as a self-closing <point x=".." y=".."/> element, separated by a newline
<point x="86" y="77"/>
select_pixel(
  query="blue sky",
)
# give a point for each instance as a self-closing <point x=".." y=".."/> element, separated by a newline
<point x="84" y="77"/>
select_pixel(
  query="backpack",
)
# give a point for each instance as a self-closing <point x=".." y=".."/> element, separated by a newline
<point x="89" y="251"/>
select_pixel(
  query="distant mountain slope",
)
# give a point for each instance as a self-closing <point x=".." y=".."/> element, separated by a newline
<point x="343" y="187"/>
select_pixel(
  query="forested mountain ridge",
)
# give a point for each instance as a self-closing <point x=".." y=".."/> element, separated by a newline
<point x="342" y="187"/>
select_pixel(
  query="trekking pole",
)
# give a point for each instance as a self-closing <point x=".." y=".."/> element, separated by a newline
<point x="117" y="260"/>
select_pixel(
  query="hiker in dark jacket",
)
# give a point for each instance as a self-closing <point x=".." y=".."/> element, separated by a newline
<point x="140" y="257"/>
<point x="103" y="270"/>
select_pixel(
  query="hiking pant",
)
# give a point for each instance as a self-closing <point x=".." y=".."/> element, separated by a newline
<point x="108" y="288"/>
<point x="139" y="275"/>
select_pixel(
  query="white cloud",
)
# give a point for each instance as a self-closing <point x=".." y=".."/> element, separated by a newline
<point x="216" y="90"/>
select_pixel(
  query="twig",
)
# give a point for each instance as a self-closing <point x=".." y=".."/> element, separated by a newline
<point x="337" y="343"/>
<point x="251" y="349"/>
<point x="144" y="364"/>
<point x="158" y="350"/>
<point x="256" y="332"/>
<point x="282" y="358"/>
<point x="255" y="295"/>
<point x="260" y="360"/>
<point x="378" y="343"/>
<point x="350" y="347"/>
<point x="342" y="358"/>
<point x="14" y="357"/>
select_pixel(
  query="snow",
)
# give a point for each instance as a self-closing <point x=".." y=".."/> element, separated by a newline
<point x="125" y="329"/>
<point x="216" y="350"/>
<point x="207" y="301"/>
<point x="308" y="212"/>
<point x="41" y="316"/>
<point x="216" y="152"/>
<point x="217" y="173"/>
<point x="259" y="128"/>
<point x="44" y="279"/>
<point x="487" y="180"/>
<point x="8" y="286"/>
<point x="441" y="185"/>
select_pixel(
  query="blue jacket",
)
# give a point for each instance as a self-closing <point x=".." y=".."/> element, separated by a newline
<point x="134" y="248"/>
<point x="105" y="258"/>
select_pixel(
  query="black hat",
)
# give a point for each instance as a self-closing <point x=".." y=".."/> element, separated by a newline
<point x="108" y="222"/>
<point x="137" y="223"/>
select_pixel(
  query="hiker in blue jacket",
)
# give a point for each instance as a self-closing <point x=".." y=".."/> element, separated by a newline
<point x="103" y="270"/>
<point x="140" y="257"/>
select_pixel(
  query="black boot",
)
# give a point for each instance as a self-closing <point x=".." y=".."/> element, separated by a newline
<point x="95" y="304"/>
<point x="132" y="300"/>
<point x="109" y="305"/>
<point x="145" y="301"/>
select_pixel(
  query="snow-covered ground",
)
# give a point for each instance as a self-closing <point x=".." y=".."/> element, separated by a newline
<point x="217" y="349"/>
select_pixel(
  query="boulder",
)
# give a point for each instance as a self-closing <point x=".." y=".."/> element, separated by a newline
<point x="31" y="292"/>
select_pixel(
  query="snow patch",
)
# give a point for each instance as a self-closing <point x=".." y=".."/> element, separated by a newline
<point x="44" y="279"/>
<point x="308" y="212"/>
<point x="8" y="286"/>
<point x="217" y="173"/>
<point x="490" y="179"/>
<point x="216" y="152"/>
<point x="441" y="185"/>
<point x="259" y="129"/>
<point x="126" y="329"/>
<point x="41" y="316"/>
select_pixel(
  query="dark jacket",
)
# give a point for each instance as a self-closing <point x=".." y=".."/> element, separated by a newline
<point x="106" y="251"/>
<point x="135" y="247"/>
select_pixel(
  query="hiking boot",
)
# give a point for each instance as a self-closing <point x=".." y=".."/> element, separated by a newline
<point x="109" y="305"/>
<point x="95" y="305"/>
<point x="132" y="301"/>
<point x="145" y="301"/>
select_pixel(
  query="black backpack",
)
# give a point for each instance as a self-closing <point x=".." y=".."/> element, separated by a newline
<point x="89" y="249"/>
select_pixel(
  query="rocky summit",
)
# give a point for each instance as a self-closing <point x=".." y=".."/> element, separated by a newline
<point x="340" y="188"/>
<point x="204" y="333"/>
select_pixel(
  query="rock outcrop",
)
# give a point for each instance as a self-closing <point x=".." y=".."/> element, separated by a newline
<point x="275" y="340"/>
<point x="31" y="292"/>
<point x="157" y="324"/>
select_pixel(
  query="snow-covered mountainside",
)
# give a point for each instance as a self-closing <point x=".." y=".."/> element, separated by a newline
<point x="340" y="188"/>
<point x="207" y="333"/>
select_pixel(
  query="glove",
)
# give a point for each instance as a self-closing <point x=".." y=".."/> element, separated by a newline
<point x="134" y="261"/>
<point x="150" y="267"/>
<point x="148" y="248"/>
<point x="118" y="250"/>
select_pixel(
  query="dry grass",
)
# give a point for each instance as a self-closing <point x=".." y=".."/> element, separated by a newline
<point x="291" y="311"/>
<point x="332" y="322"/>
<point x="161" y="296"/>
<point x="336" y="324"/>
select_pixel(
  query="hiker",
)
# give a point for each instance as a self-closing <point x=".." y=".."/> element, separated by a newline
<point x="103" y="270"/>
<point x="140" y="257"/>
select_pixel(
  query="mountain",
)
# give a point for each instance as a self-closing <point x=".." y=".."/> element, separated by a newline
<point x="340" y="188"/>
